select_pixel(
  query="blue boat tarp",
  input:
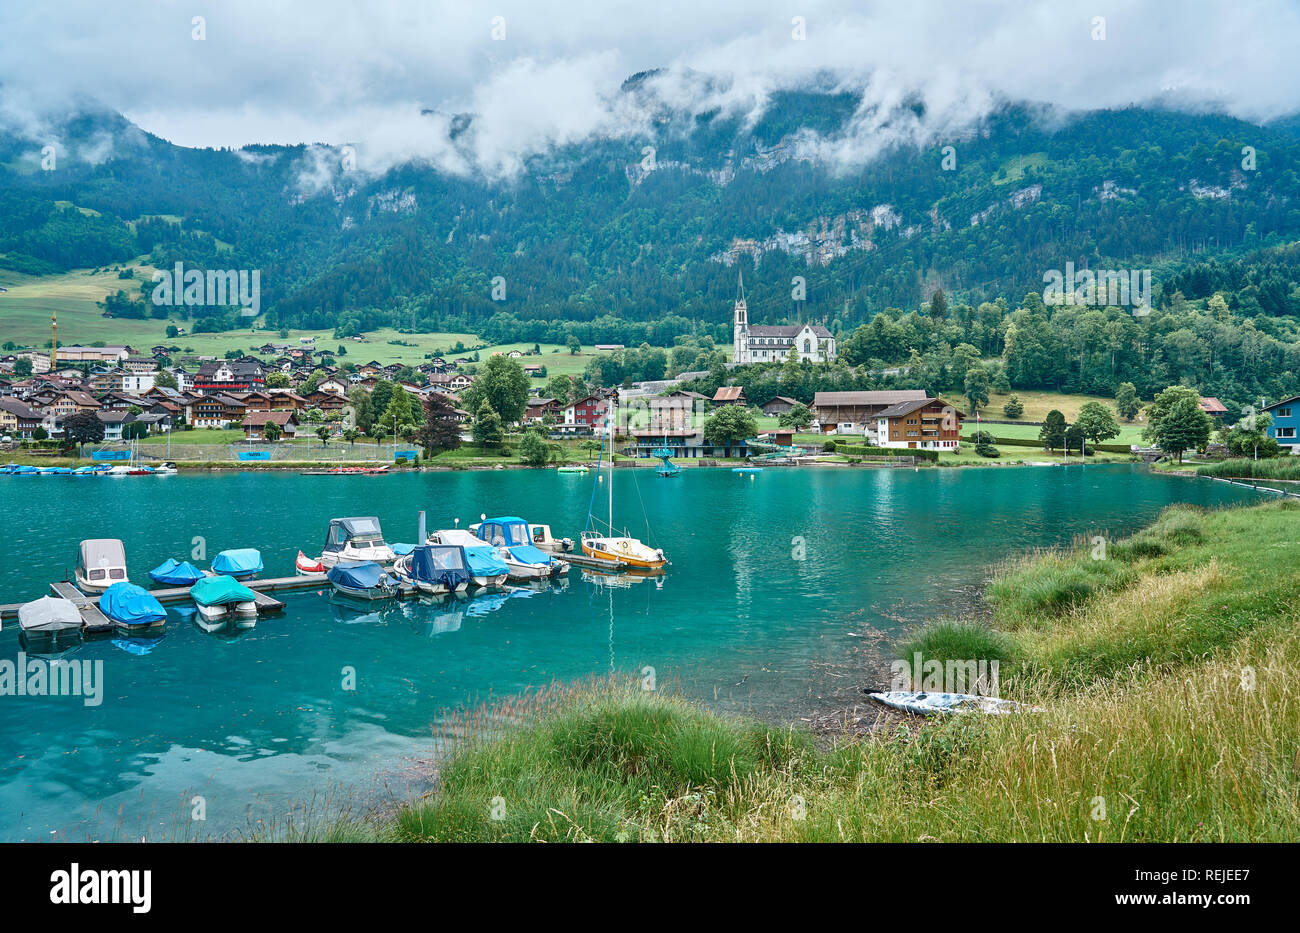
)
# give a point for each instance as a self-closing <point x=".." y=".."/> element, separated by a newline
<point x="401" y="550"/>
<point x="131" y="605"/>
<point x="238" y="563"/>
<point x="440" y="563"/>
<point x="483" y="562"/>
<point x="221" y="591"/>
<point x="172" y="573"/>
<point x="362" y="576"/>
<point x="527" y="554"/>
<point x="506" y="531"/>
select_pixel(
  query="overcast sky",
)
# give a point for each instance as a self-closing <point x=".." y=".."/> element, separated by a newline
<point x="334" y="71"/>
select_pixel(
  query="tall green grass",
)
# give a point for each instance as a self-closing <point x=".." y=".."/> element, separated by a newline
<point x="1169" y="689"/>
<point x="1277" y="468"/>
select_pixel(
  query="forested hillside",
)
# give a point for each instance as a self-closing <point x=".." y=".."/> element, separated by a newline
<point x="617" y="242"/>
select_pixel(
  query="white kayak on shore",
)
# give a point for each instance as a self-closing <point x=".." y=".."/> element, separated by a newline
<point x="927" y="704"/>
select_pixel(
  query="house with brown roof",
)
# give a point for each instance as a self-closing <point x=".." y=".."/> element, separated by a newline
<point x="856" y="412"/>
<point x="919" y="424"/>
<point x="779" y="406"/>
<point x="255" y="423"/>
<point x="730" y="395"/>
<point x="218" y="411"/>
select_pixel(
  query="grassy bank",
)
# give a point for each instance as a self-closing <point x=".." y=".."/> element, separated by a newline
<point x="1281" y="468"/>
<point x="1166" y="672"/>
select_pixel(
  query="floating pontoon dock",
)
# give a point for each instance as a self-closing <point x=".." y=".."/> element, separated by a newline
<point x="95" y="621"/>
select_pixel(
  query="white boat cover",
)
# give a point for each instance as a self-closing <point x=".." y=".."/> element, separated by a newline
<point x="49" y="614"/>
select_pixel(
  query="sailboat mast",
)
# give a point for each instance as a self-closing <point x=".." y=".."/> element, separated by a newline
<point x="611" y="470"/>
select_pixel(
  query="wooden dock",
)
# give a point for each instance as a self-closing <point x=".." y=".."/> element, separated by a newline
<point x="95" y="621"/>
<point x="92" y="620"/>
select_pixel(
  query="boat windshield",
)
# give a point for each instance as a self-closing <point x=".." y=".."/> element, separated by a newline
<point x="517" y="533"/>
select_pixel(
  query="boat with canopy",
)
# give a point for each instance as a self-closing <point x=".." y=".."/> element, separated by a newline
<point x="435" y="568"/>
<point x="513" y="540"/>
<point x="485" y="567"/>
<point x="355" y="540"/>
<point x="101" y="562"/>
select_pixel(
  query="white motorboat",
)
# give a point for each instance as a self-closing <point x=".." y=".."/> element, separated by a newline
<point x="356" y="540"/>
<point x="101" y="562"/>
<point x="435" y="569"/>
<point x="514" y="545"/>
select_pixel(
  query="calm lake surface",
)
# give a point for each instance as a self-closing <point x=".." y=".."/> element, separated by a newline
<point x="257" y="722"/>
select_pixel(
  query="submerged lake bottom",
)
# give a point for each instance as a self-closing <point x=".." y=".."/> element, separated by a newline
<point x="776" y="580"/>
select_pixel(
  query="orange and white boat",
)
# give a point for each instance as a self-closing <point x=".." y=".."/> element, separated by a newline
<point x="613" y="545"/>
<point x="628" y="550"/>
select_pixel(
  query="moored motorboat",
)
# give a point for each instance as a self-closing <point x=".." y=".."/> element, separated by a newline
<point x="544" y="540"/>
<point x="434" y="568"/>
<point x="240" y="563"/>
<point x="365" y="580"/>
<point x="220" y="599"/>
<point x="486" y="568"/>
<point x="175" y="573"/>
<point x="511" y="537"/>
<point x="132" y="608"/>
<point x="165" y="469"/>
<point x="355" y="540"/>
<point x="50" y="616"/>
<point x="101" y="562"/>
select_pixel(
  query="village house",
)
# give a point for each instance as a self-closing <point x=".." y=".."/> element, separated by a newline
<point x="919" y="424"/>
<point x="218" y="411"/>
<point x="587" y="413"/>
<point x="856" y="412"/>
<point x="779" y="406"/>
<point x="242" y="375"/>
<point x="1285" y="423"/>
<point x="539" y="408"/>
<point x="255" y="423"/>
<point x="730" y="395"/>
<point x="113" y="420"/>
<point x="17" y="419"/>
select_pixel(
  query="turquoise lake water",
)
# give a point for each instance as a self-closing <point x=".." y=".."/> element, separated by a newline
<point x="257" y="722"/>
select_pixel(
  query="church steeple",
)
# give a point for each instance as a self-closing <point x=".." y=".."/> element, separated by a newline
<point x="740" y="324"/>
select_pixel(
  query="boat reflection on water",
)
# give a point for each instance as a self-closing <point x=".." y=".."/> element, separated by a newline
<point x="625" y="580"/>
<point x="50" y="646"/>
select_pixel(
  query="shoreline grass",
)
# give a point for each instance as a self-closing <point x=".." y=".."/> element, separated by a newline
<point x="1166" y="673"/>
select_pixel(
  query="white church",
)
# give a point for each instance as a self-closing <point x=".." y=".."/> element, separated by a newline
<point x="776" y="343"/>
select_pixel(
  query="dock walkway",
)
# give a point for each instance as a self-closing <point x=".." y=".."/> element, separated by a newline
<point x="93" y="620"/>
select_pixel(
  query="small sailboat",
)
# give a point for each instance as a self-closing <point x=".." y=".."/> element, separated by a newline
<point x="485" y="567"/>
<point x="435" y="569"/>
<point x="607" y="544"/>
<point x="513" y="541"/>
<point x="240" y="563"/>
<point x="132" y="608"/>
<point x="222" y="599"/>
<point x="173" y="573"/>
<point x="365" y="580"/>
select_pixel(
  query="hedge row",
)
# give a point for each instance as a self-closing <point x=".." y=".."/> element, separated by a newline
<point x="862" y="450"/>
<point x="1034" y="442"/>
